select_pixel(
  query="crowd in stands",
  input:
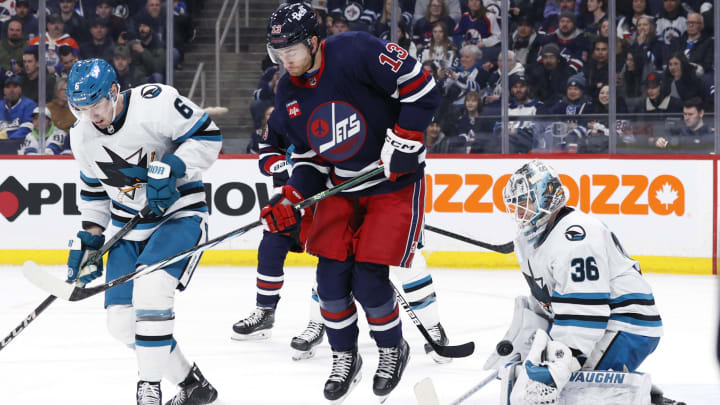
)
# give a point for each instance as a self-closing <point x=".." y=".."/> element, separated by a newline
<point x="129" y="34"/>
<point x="558" y="71"/>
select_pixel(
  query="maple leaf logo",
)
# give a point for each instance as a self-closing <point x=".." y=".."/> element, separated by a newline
<point x="666" y="195"/>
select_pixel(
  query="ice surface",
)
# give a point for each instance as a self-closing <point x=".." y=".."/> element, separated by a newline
<point x="66" y="357"/>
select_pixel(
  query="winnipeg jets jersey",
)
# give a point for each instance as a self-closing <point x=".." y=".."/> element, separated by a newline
<point x="54" y="143"/>
<point x="582" y="278"/>
<point x="155" y="121"/>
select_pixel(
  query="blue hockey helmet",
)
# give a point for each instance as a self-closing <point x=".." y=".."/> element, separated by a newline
<point x="90" y="81"/>
<point x="291" y="24"/>
<point x="533" y="193"/>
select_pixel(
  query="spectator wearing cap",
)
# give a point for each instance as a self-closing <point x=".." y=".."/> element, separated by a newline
<point x="574" y="46"/>
<point x="127" y="75"/>
<point x="691" y="137"/>
<point x="525" y="41"/>
<point x="477" y="27"/>
<point x="73" y="23"/>
<point x="100" y="45"/>
<point x="548" y="80"/>
<point x="117" y="25"/>
<point x="523" y="134"/>
<point x="149" y="52"/>
<point x="681" y="80"/>
<point x="436" y="13"/>
<point x="696" y="45"/>
<point x="15" y="110"/>
<point x="55" y="138"/>
<point x="62" y="117"/>
<point x="31" y="76"/>
<point x="658" y="99"/>
<point x="671" y="21"/>
<point x="575" y="102"/>
<point x="54" y="39"/>
<point x="551" y="19"/>
<point x="12" y="47"/>
<point x="26" y="17"/>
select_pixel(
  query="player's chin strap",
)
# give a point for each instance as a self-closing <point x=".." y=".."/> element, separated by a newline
<point x="48" y="282"/>
<point x="93" y="259"/>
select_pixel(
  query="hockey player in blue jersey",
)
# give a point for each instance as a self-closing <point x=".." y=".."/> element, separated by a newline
<point x="143" y="146"/>
<point x="349" y="104"/>
<point x="585" y="291"/>
<point x="417" y="282"/>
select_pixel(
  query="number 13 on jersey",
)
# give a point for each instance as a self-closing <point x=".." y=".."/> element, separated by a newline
<point x="400" y="53"/>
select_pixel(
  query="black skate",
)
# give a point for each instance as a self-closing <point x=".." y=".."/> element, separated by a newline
<point x="305" y="343"/>
<point x="148" y="393"/>
<point x="194" y="390"/>
<point x="344" y="376"/>
<point x="437" y="333"/>
<point x="256" y="326"/>
<point x="657" y="398"/>
<point x="390" y="369"/>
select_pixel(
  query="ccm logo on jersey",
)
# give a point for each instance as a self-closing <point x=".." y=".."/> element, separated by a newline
<point x="293" y="109"/>
<point x="575" y="233"/>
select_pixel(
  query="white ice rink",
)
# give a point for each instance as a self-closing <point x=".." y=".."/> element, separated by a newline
<point x="66" y="357"/>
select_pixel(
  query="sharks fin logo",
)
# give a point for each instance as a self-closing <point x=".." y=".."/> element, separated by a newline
<point x="128" y="174"/>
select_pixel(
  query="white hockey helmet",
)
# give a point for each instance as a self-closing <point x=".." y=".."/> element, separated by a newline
<point x="533" y="193"/>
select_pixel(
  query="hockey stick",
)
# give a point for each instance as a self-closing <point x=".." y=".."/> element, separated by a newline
<point x="76" y="293"/>
<point x="458" y="351"/>
<point x="426" y="395"/>
<point x="504" y="248"/>
<point x="93" y="259"/>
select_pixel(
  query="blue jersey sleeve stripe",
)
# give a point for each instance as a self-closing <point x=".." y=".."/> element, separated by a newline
<point x="581" y="324"/>
<point x="92" y="182"/>
<point x="94" y="198"/>
<point x="633" y="321"/>
<point x="205" y="119"/>
<point x="211" y="138"/>
<point x="56" y="149"/>
<point x="583" y="296"/>
<point x="30" y="150"/>
<point x="632" y="297"/>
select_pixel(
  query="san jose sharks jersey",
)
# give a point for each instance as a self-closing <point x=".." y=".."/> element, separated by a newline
<point x="582" y="278"/>
<point x="155" y="120"/>
<point x="337" y="117"/>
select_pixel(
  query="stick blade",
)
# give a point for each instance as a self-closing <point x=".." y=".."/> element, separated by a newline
<point x="46" y="281"/>
<point x="425" y="392"/>
<point x="456" y="352"/>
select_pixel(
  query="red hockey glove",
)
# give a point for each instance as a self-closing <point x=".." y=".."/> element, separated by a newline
<point x="402" y="153"/>
<point x="279" y="215"/>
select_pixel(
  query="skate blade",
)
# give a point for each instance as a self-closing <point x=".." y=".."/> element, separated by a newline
<point x="303" y="354"/>
<point x="440" y="359"/>
<point x="259" y="335"/>
<point x="354" y="382"/>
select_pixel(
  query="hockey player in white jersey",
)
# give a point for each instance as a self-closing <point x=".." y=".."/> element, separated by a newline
<point x="586" y="292"/>
<point x="143" y="146"/>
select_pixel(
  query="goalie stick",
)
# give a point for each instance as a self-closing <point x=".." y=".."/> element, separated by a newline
<point x="458" y="351"/>
<point x="69" y="292"/>
<point x="92" y="259"/>
<point x="504" y="248"/>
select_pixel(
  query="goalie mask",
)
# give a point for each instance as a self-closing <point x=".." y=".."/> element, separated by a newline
<point x="532" y="195"/>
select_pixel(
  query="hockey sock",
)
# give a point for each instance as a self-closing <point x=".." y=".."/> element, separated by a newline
<point x="178" y="367"/>
<point x="270" y="277"/>
<point x="372" y="288"/>
<point x="153" y="340"/>
<point x="340" y="319"/>
<point x="420" y="290"/>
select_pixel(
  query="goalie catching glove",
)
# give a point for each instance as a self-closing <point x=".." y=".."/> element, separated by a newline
<point x="279" y="215"/>
<point x="81" y="248"/>
<point x="402" y="153"/>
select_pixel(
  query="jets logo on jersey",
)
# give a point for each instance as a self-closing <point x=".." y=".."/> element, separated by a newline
<point x="150" y="91"/>
<point x="336" y="131"/>
<point x="128" y="174"/>
<point x="293" y="109"/>
<point x="575" y="233"/>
